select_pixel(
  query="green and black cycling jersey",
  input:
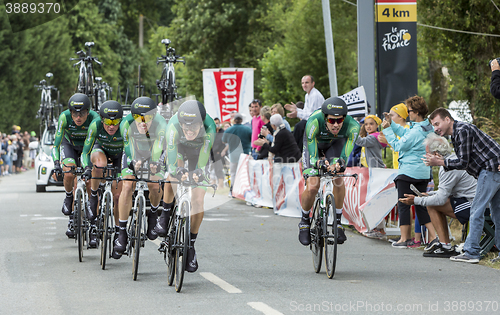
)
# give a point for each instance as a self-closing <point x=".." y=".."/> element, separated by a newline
<point x="147" y="146"/>
<point x="320" y="140"/>
<point x="67" y="129"/>
<point x="178" y="145"/>
<point x="112" y="145"/>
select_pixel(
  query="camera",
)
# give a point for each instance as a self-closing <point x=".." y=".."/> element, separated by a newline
<point x="261" y="136"/>
<point x="489" y="62"/>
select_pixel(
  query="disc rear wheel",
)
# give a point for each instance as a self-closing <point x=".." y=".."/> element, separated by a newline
<point x="78" y="217"/>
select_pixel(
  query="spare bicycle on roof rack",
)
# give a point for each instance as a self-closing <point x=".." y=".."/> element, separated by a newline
<point x="86" y="74"/>
<point x="166" y="84"/>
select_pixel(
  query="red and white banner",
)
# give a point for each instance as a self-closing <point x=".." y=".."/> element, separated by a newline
<point x="227" y="90"/>
<point x="365" y="204"/>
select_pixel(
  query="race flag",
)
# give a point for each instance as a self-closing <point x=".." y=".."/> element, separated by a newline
<point x="356" y="102"/>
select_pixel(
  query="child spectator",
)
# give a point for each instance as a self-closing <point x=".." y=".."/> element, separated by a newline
<point x="371" y="151"/>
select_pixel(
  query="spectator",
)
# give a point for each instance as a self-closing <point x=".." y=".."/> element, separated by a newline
<point x="216" y="153"/>
<point x="411" y="169"/>
<point x="495" y="78"/>
<point x="284" y="148"/>
<point x="238" y="139"/>
<point x="4" y="144"/>
<point x="278" y="109"/>
<point x="371" y="151"/>
<point x="453" y="198"/>
<point x="26" y="150"/>
<point x="20" y="153"/>
<point x="256" y="125"/>
<point x="371" y="156"/>
<point x="12" y="152"/>
<point x="398" y="114"/>
<point x="313" y="101"/>
<point x="226" y="125"/>
<point x="266" y="131"/>
<point x="479" y="155"/>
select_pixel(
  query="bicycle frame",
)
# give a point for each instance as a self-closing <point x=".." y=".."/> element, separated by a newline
<point x="86" y="74"/>
<point x="166" y="84"/>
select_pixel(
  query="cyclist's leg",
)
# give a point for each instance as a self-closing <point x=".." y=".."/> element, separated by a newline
<point x="124" y="205"/>
<point x="308" y="196"/>
<point x="168" y="204"/>
<point x="68" y="157"/>
<point x="155" y="194"/>
<point x="98" y="158"/>
<point x="197" y="212"/>
<point x="339" y="194"/>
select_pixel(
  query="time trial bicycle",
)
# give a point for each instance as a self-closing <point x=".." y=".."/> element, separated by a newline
<point x="177" y="242"/>
<point x="324" y="229"/>
<point x="80" y="221"/>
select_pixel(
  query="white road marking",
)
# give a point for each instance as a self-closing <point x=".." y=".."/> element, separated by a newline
<point x="264" y="308"/>
<point x="216" y="219"/>
<point x="262" y="216"/>
<point x="48" y="218"/>
<point x="219" y="282"/>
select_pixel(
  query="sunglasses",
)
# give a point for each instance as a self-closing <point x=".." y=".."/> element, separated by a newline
<point x="192" y="127"/>
<point x="111" y="122"/>
<point x="335" y="120"/>
<point x="79" y="114"/>
<point x="145" y="118"/>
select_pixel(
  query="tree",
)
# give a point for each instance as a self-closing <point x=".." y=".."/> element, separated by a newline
<point x="465" y="55"/>
<point x="302" y="50"/>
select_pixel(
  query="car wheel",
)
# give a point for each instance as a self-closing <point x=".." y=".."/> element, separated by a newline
<point x="40" y="188"/>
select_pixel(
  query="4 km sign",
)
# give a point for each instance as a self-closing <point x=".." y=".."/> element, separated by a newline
<point x="396" y="11"/>
<point x="396" y="51"/>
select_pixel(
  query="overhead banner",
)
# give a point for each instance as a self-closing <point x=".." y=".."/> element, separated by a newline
<point x="396" y="52"/>
<point x="226" y="90"/>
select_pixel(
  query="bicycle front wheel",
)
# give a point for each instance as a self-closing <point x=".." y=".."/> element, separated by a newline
<point x="331" y="236"/>
<point x="170" y="252"/>
<point x="183" y="234"/>
<point x="141" y="204"/>
<point x="79" y="206"/>
<point x="107" y="227"/>
<point x="317" y="236"/>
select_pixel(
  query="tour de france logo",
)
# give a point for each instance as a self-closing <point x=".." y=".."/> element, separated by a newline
<point x="396" y="39"/>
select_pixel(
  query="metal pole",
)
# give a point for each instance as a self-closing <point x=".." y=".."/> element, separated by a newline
<point x="330" y="54"/>
<point x="141" y="30"/>
<point x="366" y="50"/>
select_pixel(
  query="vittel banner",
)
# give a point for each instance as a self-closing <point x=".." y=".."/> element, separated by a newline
<point x="396" y="52"/>
<point x="227" y="90"/>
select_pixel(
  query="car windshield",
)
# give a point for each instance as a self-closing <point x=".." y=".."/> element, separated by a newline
<point x="48" y="140"/>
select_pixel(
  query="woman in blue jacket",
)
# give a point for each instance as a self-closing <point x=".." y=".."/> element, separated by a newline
<point x="412" y="169"/>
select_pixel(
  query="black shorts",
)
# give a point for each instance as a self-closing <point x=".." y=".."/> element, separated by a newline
<point x="328" y="150"/>
<point x="70" y="153"/>
<point x="461" y="208"/>
<point x="115" y="160"/>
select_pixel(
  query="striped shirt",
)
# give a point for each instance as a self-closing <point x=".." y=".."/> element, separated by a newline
<point x="475" y="150"/>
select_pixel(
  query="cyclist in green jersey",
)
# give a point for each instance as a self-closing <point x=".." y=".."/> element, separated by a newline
<point x="144" y="141"/>
<point x="103" y="146"/>
<point x="72" y="130"/>
<point x="330" y="134"/>
<point x="190" y="134"/>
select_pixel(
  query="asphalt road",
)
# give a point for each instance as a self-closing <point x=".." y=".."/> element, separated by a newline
<point x="250" y="263"/>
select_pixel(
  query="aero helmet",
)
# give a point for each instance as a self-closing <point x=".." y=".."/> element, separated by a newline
<point x="79" y="102"/>
<point x="191" y="112"/>
<point x="143" y="106"/>
<point x="111" y="110"/>
<point x="334" y="106"/>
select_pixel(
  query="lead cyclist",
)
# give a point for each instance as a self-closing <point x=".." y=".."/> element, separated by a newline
<point x="190" y="134"/>
<point x="330" y="136"/>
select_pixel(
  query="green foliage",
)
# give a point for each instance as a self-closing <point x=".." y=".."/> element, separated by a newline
<point x="465" y="55"/>
<point x="301" y="50"/>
